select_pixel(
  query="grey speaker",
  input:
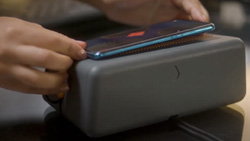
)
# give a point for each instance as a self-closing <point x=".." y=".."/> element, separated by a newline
<point x="183" y="77"/>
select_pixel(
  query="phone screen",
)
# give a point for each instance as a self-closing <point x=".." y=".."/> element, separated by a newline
<point x="117" y="43"/>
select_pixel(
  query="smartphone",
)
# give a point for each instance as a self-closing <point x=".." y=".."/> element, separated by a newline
<point x="114" y="44"/>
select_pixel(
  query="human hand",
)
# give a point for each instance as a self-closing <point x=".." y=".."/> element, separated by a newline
<point x="27" y="46"/>
<point x="145" y="12"/>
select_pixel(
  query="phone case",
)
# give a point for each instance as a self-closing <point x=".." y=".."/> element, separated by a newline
<point x="114" y="44"/>
<point x="135" y="90"/>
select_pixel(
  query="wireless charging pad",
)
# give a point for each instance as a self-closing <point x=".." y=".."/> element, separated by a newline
<point x="143" y="87"/>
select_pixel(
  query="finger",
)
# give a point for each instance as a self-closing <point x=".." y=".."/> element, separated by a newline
<point x="81" y="43"/>
<point x="184" y="17"/>
<point x="38" y="79"/>
<point x="205" y="13"/>
<point x="41" y="37"/>
<point x="17" y="85"/>
<point x="60" y="43"/>
<point x="39" y="57"/>
<point x="193" y="8"/>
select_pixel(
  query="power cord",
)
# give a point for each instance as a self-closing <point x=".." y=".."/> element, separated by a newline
<point x="194" y="131"/>
<point x="56" y="102"/>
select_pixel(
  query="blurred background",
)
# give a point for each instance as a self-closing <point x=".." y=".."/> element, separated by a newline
<point x="76" y="19"/>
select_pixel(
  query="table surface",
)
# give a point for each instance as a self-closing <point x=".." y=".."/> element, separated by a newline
<point x="29" y="117"/>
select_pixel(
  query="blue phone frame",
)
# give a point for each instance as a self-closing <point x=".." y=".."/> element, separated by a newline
<point x="101" y="55"/>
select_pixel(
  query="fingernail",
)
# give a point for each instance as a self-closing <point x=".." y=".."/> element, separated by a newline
<point x="82" y="54"/>
<point x="204" y="18"/>
<point x="197" y="15"/>
<point x="64" y="89"/>
<point x="81" y="43"/>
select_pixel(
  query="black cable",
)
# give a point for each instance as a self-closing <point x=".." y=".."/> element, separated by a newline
<point x="55" y="102"/>
<point x="194" y="131"/>
<point x="52" y="101"/>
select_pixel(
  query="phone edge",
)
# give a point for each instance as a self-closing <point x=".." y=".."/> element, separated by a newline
<point x="101" y="55"/>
